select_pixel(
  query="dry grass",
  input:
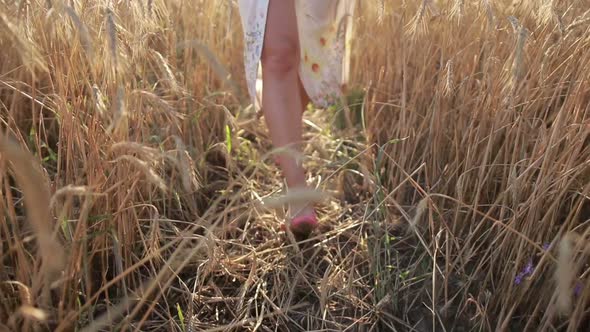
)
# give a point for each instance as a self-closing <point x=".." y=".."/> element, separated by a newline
<point x="455" y="194"/>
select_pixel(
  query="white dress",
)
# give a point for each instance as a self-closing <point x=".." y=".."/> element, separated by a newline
<point x="324" y="37"/>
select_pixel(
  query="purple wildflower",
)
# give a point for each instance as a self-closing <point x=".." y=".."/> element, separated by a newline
<point x="578" y="289"/>
<point x="528" y="269"/>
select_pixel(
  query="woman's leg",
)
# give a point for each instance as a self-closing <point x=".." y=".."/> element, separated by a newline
<point x="282" y="99"/>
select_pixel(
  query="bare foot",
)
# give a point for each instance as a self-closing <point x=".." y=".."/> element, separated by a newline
<point x="303" y="220"/>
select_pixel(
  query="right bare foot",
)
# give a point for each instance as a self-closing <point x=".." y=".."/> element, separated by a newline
<point x="303" y="220"/>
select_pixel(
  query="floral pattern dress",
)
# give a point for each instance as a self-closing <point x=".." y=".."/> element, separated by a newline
<point x="324" y="38"/>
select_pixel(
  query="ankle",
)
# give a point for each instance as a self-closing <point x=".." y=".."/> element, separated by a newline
<point x="296" y="210"/>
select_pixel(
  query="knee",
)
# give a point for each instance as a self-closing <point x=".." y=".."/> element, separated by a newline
<point x="280" y="58"/>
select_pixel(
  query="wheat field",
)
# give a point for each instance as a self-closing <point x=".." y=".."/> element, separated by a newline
<point x="137" y="191"/>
